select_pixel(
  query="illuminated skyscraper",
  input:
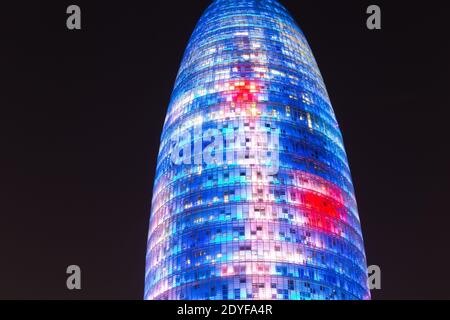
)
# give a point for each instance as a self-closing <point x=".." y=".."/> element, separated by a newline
<point x="253" y="197"/>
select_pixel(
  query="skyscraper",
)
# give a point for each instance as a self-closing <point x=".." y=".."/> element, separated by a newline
<point x="253" y="197"/>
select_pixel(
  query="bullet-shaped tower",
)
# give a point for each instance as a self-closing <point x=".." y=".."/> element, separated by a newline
<point x="253" y="196"/>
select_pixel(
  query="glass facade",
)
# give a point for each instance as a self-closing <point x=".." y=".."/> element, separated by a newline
<point x="253" y="197"/>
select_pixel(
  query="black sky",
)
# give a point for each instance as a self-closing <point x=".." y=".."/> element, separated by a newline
<point x="82" y="113"/>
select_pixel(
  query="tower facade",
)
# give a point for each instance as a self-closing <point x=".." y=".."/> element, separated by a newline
<point x="253" y="197"/>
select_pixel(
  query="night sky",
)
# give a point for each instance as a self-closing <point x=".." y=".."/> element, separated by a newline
<point x="82" y="113"/>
